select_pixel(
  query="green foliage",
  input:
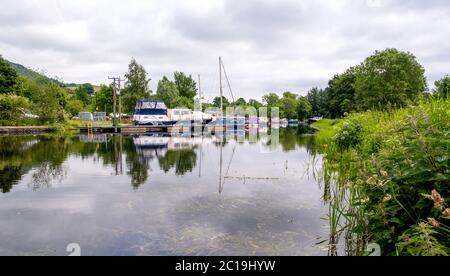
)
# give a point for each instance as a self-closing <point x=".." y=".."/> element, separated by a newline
<point x="240" y="102"/>
<point x="384" y="178"/>
<point x="303" y="109"/>
<point x="318" y="101"/>
<point x="167" y="92"/>
<point x="136" y="86"/>
<point x="186" y="85"/>
<point x="9" y="81"/>
<point x="225" y="102"/>
<point x="443" y="87"/>
<point x="74" y="106"/>
<point x="47" y="98"/>
<point x="340" y="94"/>
<point x="104" y="99"/>
<point x="389" y="78"/>
<point x="11" y="108"/>
<point x="349" y="135"/>
<point x="84" y="94"/>
<point x="288" y="105"/>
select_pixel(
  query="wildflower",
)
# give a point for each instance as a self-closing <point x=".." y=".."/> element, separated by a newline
<point x="446" y="213"/>
<point x="433" y="222"/>
<point x="373" y="180"/>
<point x="387" y="198"/>
<point x="438" y="200"/>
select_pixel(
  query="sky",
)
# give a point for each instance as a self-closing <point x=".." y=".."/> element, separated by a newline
<point x="267" y="46"/>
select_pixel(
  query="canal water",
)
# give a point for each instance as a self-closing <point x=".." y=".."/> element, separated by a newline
<point x="161" y="195"/>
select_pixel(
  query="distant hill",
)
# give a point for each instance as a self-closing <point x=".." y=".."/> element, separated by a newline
<point x="29" y="73"/>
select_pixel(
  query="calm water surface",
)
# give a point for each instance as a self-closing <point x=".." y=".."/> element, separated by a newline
<point x="155" y="195"/>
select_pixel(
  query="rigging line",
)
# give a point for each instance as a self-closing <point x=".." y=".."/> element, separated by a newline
<point x="229" y="165"/>
<point x="228" y="82"/>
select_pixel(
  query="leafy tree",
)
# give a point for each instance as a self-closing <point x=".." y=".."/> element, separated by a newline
<point x="304" y="108"/>
<point x="271" y="99"/>
<point x="340" y="94"/>
<point x="168" y="92"/>
<point x="288" y="105"/>
<point x="225" y="102"/>
<point x="186" y="85"/>
<point x="103" y="99"/>
<point x="89" y="88"/>
<point x="240" y="102"/>
<point x="443" y="87"/>
<point x="74" y="106"/>
<point x="136" y="86"/>
<point x="48" y="99"/>
<point x="317" y="99"/>
<point x="389" y="78"/>
<point x="11" y="108"/>
<point x="254" y="103"/>
<point x="81" y="94"/>
<point x="9" y="80"/>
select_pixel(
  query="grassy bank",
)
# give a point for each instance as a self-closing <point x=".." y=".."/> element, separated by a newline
<point x="387" y="175"/>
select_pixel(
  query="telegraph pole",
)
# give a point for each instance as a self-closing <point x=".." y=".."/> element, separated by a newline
<point x="120" y="100"/>
<point x="116" y="82"/>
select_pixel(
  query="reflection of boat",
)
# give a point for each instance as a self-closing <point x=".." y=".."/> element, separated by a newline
<point x="227" y="124"/>
<point x="153" y="113"/>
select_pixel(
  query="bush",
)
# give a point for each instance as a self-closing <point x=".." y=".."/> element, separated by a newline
<point x="396" y="166"/>
<point x="11" y="108"/>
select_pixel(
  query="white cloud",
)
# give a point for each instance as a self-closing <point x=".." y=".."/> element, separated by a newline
<point x="266" y="45"/>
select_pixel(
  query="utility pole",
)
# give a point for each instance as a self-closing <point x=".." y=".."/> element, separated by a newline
<point x="120" y="100"/>
<point x="116" y="81"/>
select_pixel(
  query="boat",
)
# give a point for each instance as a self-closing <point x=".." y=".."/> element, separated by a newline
<point x="151" y="113"/>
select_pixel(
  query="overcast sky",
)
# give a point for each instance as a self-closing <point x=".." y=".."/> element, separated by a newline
<point x="267" y="46"/>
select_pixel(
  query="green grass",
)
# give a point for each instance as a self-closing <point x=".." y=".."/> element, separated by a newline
<point x="379" y="185"/>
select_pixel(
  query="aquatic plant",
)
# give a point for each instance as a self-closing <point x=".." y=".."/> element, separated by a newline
<point x="380" y="165"/>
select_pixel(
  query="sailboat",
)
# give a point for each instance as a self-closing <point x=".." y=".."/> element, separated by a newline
<point x="226" y="123"/>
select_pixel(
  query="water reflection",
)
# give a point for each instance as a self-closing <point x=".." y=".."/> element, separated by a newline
<point x="45" y="155"/>
<point x="159" y="194"/>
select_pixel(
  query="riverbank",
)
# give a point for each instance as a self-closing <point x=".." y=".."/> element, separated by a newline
<point x="386" y="176"/>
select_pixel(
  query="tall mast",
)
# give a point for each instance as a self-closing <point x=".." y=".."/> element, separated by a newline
<point x="200" y="96"/>
<point x="221" y="91"/>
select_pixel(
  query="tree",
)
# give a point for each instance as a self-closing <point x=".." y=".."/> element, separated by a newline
<point x="254" y="103"/>
<point x="271" y="99"/>
<point x="11" y="107"/>
<point x="9" y="80"/>
<point x="136" y="86"/>
<point x="317" y="99"/>
<point x="74" y="106"/>
<point x="443" y="87"/>
<point x="240" y="102"/>
<point x="389" y="78"/>
<point x="225" y="102"/>
<point x="288" y="105"/>
<point x="340" y="94"/>
<point x="103" y="99"/>
<point x="186" y="86"/>
<point x="89" y="88"/>
<point x="81" y="94"/>
<point x="304" y="108"/>
<point x="167" y="92"/>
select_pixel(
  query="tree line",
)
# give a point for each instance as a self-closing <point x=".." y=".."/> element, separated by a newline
<point x="387" y="79"/>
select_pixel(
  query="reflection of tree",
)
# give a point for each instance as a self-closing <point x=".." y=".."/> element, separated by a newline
<point x="9" y="176"/>
<point x="291" y="138"/>
<point x="45" y="173"/>
<point x="182" y="160"/>
<point x="20" y="154"/>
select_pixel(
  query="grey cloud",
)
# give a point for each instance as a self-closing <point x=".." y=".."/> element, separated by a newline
<point x="267" y="45"/>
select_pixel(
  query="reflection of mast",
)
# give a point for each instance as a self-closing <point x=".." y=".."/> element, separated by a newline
<point x="222" y="183"/>
<point x="221" y="162"/>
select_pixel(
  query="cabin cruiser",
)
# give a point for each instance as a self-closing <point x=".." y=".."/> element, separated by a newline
<point x="152" y="113"/>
